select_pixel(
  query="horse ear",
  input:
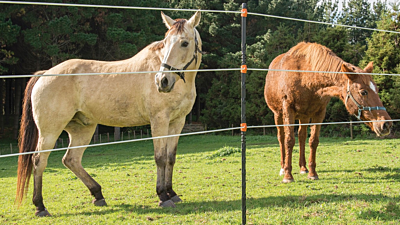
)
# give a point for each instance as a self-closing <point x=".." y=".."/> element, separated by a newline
<point x="167" y="20"/>
<point x="369" y="67"/>
<point x="195" y="19"/>
<point x="346" y="67"/>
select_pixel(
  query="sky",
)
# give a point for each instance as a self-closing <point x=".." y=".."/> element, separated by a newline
<point x="370" y="1"/>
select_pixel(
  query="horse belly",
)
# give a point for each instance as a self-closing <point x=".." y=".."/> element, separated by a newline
<point x="118" y="114"/>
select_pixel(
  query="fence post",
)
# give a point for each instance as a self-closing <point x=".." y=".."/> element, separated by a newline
<point x="351" y="129"/>
<point x="243" y="109"/>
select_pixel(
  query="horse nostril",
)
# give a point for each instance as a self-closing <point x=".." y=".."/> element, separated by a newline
<point x="387" y="126"/>
<point x="164" y="82"/>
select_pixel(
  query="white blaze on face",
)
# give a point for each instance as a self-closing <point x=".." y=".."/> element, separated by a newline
<point x="173" y="40"/>
<point x="372" y="86"/>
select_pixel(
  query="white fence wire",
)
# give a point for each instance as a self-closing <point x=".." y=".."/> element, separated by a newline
<point x="199" y="70"/>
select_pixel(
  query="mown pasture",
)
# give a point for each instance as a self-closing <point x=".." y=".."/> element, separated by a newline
<point x="359" y="184"/>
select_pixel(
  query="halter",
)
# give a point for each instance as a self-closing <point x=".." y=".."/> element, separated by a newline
<point x="359" y="106"/>
<point x="182" y="74"/>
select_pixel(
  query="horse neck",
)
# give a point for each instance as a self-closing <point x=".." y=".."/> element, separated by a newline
<point x="145" y="60"/>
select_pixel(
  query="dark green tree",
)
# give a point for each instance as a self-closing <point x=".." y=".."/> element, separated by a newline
<point x="384" y="51"/>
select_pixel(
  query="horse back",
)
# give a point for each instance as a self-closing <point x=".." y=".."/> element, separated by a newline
<point x="296" y="90"/>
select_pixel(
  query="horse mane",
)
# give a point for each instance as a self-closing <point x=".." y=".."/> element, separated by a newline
<point x="178" y="27"/>
<point x="322" y="58"/>
<point x="319" y="57"/>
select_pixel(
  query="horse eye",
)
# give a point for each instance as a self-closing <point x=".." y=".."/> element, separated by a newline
<point x="364" y="92"/>
<point x="185" y="44"/>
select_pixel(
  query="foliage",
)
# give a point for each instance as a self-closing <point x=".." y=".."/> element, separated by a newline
<point x="384" y="51"/>
<point x="224" y="151"/>
<point x="38" y="37"/>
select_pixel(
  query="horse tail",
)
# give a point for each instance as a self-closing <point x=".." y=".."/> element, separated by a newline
<point x="27" y="142"/>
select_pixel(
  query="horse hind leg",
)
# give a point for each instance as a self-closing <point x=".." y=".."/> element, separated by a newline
<point x="45" y="142"/>
<point x="288" y="119"/>
<point x="302" y="145"/>
<point x="281" y="139"/>
<point x="81" y="135"/>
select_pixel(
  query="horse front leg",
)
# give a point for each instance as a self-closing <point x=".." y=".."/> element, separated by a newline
<point x="313" y="142"/>
<point x="160" y="128"/>
<point x="172" y="144"/>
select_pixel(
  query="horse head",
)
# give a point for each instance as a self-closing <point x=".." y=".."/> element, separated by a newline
<point x="180" y="50"/>
<point x="362" y="99"/>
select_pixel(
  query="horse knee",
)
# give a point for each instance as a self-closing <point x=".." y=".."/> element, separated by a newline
<point x="69" y="161"/>
<point x="314" y="143"/>
<point x="290" y="141"/>
<point x="160" y="158"/>
<point x="171" y="158"/>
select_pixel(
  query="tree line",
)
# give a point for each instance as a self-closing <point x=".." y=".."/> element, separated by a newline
<point x="36" y="37"/>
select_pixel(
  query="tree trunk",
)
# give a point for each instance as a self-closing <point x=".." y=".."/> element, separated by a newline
<point x="117" y="133"/>
<point x="96" y="135"/>
<point x="197" y="108"/>
<point x="17" y="110"/>
<point x="2" y="106"/>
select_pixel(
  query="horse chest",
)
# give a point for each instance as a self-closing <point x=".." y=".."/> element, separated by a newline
<point x="311" y="103"/>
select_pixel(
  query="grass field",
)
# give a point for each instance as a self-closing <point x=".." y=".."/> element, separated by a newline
<point x="359" y="184"/>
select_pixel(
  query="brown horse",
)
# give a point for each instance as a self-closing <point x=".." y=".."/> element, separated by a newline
<point x="77" y="104"/>
<point x="304" y="96"/>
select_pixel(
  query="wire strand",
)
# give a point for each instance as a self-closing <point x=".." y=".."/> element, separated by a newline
<point x="325" y="23"/>
<point x="191" y="10"/>
<point x="115" y="7"/>
<point x="188" y="134"/>
<point x="198" y="70"/>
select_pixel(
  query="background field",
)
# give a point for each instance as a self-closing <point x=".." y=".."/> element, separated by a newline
<point x="358" y="185"/>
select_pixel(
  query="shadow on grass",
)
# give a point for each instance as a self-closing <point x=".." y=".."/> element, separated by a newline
<point x="389" y="210"/>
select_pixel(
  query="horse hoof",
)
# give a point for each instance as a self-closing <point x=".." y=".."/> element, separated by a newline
<point x="282" y="172"/>
<point x="287" y="181"/>
<point x="313" y="178"/>
<point x="176" y="199"/>
<point x="100" y="202"/>
<point x="304" y="172"/>
<point x="166" y="204"/>
<point x="42" y="213"/>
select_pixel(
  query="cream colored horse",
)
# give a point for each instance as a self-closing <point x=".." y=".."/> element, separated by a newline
<point x="77" y="104"/>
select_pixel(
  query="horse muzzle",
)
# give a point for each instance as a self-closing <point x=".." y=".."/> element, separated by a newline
<point x="382" y="128"/>
<point x="165" y="82"/>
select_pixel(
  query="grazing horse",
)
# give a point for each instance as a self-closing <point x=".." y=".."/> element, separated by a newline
<point x="78" y="103"/>
<point x="304" y="96"/>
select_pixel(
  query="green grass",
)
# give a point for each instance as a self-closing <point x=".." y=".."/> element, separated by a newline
<point x="359" y="184"/>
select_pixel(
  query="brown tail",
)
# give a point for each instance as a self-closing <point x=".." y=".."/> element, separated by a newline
<point x="28" y="138"/>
